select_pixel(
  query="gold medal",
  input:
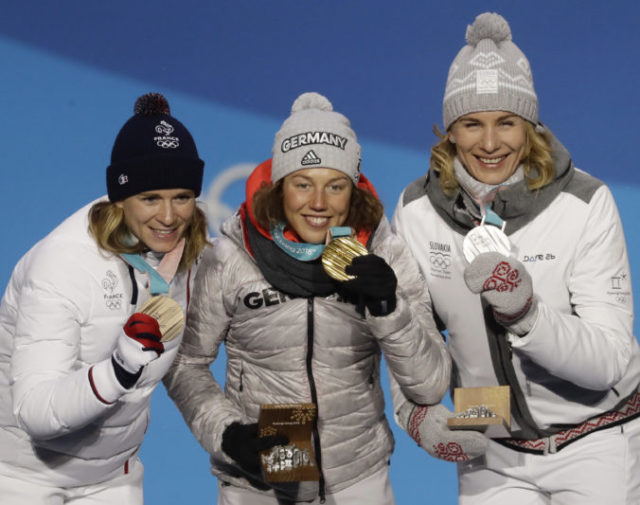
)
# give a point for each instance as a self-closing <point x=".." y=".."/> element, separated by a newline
<point x="338" y="254"/>
<point x="168" y="313"/>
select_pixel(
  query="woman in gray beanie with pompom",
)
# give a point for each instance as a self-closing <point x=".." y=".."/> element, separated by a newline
<point x="527" y="269"/>
<point x="92" y="318"/>
<point x="297" y="334"/>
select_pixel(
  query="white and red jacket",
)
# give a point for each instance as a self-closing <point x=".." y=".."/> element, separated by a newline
<point x="581" y="358"/>
<point x="61" y="315"/>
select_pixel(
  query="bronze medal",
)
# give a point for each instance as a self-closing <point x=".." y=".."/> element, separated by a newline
<point x="168" y="313"/>
<point x="338" y="254"/>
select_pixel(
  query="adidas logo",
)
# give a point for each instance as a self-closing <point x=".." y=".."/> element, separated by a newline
<point x="310" y="158"/>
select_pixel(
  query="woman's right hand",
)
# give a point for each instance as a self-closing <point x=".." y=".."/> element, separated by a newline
<point x="427" y="425"/>
<point x="138" y="344"/>
<point x="243" y="445"/>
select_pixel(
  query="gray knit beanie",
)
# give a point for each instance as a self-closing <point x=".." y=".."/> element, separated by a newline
<point x="490" y="73"/>
<point x="314" y="136"/>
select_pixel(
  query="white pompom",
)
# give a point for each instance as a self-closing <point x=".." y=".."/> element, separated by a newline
<point x="311" y="100"/>
<point x="488" y="25"/>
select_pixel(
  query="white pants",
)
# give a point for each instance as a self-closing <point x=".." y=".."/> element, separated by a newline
<point x="374" y="490"/>
<point x="125" y="489"/>
<point x="601" y="468"/>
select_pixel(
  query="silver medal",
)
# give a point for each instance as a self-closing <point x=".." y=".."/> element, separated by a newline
<point x="485" y="238"/>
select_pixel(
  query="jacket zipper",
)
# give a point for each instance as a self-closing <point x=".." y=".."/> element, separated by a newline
<point x="501" y="355"/>
<point x="314" y="397"/>
<point x="134" y="286"/>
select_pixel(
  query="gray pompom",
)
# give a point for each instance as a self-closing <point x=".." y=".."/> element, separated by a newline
<point x="311" y="100"/>
<point x="488" y="25"/>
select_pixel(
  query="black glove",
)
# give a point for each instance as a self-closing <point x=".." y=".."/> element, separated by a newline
<point x="374" y="286"/>
<point x="241" y="443"/>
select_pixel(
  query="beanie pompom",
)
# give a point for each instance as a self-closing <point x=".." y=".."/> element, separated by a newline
<point x="311" y="100"/>
<point x="151" y="104"/>
<point x="488" y="25"/>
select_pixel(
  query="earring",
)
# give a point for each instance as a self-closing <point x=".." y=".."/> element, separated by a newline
<point x="452" y="140"/>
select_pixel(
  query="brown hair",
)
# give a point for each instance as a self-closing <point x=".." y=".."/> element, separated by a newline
<point x="107" y="225"/>
<point x="539" y="169"/>
<point x="365" y="210"/>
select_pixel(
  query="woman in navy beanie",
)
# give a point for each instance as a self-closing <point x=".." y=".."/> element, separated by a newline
<point x="80" y="351"/>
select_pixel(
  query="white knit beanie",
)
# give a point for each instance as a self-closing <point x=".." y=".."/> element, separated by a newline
<point x="490" y="73"/>
<point x="314" y="136"/>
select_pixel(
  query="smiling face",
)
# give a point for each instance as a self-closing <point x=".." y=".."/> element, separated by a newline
<point x="159" y="218"/>
<point x="490" y="145"/>
<point x="314" y="200"/>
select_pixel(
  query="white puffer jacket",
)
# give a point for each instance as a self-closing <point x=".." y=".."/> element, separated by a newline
<point x="61" y="314"/>
<point x="283" y="349"/>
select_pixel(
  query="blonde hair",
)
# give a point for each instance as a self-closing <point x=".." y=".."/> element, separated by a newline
<point x="538" y="166"/>
<point x="108" y="228"/>
<point x="365" y="210"/>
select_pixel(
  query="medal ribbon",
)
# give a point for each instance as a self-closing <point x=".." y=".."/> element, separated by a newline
<point x="298" y="250"/>
<point x="339" y="231"/>
<point x="159" y="278"/>
<point x="490" y="217"/>
<point x="301" y="250"/>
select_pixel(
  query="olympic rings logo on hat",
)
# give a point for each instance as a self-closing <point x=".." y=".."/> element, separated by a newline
<point x="167" y="142"/>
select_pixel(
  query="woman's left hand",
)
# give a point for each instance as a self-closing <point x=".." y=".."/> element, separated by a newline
<point x="506" y="285"/>
<point x="374" y="286"/>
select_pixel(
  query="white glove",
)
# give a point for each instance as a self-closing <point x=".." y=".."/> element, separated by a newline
<point x="139" y="343"/>
<point x="506" y="285"/>
<point x="427" y="425"/>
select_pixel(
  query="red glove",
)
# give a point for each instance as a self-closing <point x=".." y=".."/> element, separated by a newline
<point x="139" y="343"/>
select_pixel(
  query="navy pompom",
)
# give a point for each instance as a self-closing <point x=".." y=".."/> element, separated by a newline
<point x="151" y="104"/>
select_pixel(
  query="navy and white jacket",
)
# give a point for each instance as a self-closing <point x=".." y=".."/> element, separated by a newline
<point x="61" y="316"/>
<point x="581" y="358"/>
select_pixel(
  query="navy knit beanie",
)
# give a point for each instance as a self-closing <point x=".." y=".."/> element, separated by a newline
<point x="153" y="151"/>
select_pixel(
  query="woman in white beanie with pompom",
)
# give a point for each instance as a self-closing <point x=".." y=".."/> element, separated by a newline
<point x="527" y="268"/>
<point x="293" y="334"/>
